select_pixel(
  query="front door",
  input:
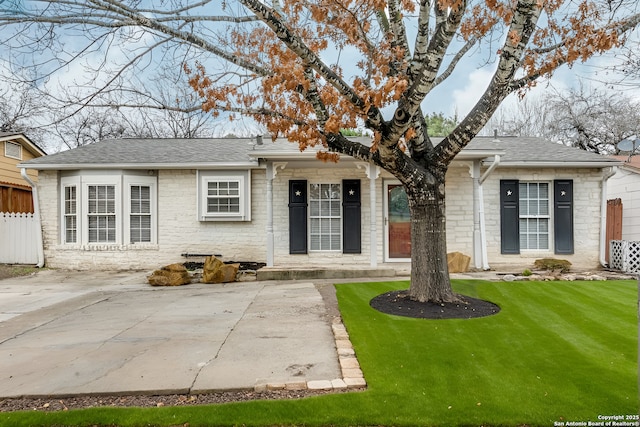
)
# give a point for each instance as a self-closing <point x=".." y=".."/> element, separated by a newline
<point x="397" y="223"/>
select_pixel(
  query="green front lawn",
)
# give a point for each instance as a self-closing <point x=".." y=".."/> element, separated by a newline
<point x="557" y="352"/>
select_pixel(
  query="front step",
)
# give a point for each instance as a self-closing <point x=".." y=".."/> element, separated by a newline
<point x="309" y="273"/>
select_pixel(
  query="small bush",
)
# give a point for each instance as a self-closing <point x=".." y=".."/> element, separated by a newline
<point x="553" y="264"/>
<point x="526" y="272"/>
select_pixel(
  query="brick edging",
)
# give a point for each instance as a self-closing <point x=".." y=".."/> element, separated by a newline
<point x="352" y="376"/>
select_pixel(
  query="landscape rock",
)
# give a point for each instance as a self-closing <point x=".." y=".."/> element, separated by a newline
<point x="509" y="277"/>
<point x="458" y="262"/>
<point x="216" y="271"/>
<point x="170" y="275"/>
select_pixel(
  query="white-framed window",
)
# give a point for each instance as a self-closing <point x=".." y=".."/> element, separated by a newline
<point x="140" y="229"/>
<point x="101" y="213"/>
<point x="325" y="217"/>
<point x="70" y="214"/>
<point x="13" y="150"/>
<point x="117" y="208"/>
<point x="534" y="215"/>
<point x="224" y="195"/>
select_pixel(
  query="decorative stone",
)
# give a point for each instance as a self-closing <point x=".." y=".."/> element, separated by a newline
<point x="458" y="262"/>
<point x="216" y="271"/>
<point x="338" y="384"/>
<point x="355" y="382"/>
<point x="349" y="363"/>
<point x="509" y="278"/>
<point x="319" y="385"/>
<point x="170" y="275"/>
<point x="352" y="373"/>
<point x="276" y="386"/>
<point x="297" y="385"/>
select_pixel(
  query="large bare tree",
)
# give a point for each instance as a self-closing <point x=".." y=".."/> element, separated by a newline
<point x="592" y="119"/>
<point x="305" y="69"/>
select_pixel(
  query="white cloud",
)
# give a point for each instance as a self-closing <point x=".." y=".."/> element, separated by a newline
<point x="464" y="99"/>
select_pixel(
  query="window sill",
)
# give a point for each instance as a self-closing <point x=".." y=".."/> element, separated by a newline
<point x="236" y="218"/>
<point x="110" y="247"/>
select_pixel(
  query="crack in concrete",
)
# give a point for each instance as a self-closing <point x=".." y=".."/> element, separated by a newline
<point x="230" y="331"/>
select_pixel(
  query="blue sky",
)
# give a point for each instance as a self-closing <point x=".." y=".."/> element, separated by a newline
<point x="456" y="96"/>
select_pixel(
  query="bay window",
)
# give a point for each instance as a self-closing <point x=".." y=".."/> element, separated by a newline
<point x="115" y="209"/>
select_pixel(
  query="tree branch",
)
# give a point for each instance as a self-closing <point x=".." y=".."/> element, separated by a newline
<point x="298" y="46"/>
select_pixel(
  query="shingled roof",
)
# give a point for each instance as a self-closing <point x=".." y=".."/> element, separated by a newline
<point x="522" y="151"/>
<point x="206" y="153"/>
<point x="152" y="153"/>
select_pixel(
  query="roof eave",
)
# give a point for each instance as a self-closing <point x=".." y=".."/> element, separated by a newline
<point x="136" y="166"/>
<point x="560" y="164"/>
<point x="269" y="155"/>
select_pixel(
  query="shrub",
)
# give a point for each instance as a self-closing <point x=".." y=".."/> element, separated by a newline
<point x="553" y="264"/>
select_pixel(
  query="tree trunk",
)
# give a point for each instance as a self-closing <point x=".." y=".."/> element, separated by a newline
<point x="429" y="270"/>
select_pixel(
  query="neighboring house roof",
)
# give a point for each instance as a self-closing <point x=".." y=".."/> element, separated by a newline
<point x="245" y="152"/>
<point x="26" y="142"/>
<point x="631" y="164"/>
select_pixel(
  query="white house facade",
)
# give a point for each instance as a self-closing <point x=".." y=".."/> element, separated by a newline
<point x="140" y="204"/>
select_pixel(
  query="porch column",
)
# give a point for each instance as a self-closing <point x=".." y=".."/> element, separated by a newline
<point x="477" y="235"/>
<point x="372" y="172"/>
<point x="271" y="172"/>
<point x="270" y="244"/>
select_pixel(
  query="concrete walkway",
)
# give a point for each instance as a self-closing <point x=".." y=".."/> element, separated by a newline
<point x="69" y="333"/>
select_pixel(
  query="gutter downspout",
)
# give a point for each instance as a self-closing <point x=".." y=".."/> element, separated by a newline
<point x="36" y="209"/>
<point x="606" y="174"/>
<point x="483" y="232"/>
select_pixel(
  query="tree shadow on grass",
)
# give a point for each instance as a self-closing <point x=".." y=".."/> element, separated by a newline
<point x="399" y="303"/>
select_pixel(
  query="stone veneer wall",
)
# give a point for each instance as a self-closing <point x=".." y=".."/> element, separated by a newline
<point x="179" y="230"/>
<point x="587" y="187"/>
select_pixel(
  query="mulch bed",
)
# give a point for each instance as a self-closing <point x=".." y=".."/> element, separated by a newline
<point x="142" y="401"/>
<point x="400" y="304"/>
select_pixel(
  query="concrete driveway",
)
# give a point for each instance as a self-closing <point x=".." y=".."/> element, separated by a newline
<point x="68" y="333"/>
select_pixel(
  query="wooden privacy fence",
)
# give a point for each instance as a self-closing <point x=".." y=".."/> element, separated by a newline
<point x="614" y="224"/>
<point x="18" y="238"/>
<point x="16" y="200"/>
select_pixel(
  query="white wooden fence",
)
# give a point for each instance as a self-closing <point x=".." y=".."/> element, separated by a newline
<point x="18" y="238"/>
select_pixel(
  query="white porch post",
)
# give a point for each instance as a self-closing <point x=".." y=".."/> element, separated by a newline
<point x="477" y="235"/>
<point x="270" y="241"/>
<point x="372" y="173"/>
<point x="271" y="172"/>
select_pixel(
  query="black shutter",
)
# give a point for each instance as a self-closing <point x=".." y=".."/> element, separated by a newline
<point x="298" y="217"/>
<point x="563" y="215"/>
<point x="351" y="233"/>
<point x="509" y="217"/>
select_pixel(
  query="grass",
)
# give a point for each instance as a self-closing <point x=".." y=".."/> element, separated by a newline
<point x="557" y="351"/>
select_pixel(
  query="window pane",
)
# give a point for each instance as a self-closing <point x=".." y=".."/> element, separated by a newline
<point x="325" y="208"/>
<point x="335" y="208"/>
<point x="544" y="207"/>
<point x="314" y="208"/>
<point x="314" y="191"/>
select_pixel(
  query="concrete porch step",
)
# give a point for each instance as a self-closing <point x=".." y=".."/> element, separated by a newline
<point x="338" y="272"/>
